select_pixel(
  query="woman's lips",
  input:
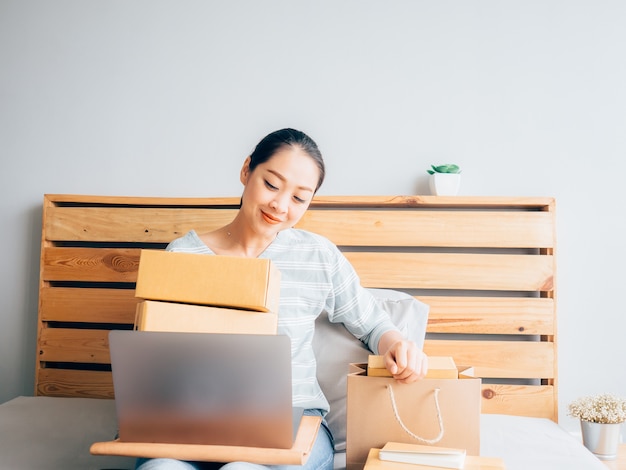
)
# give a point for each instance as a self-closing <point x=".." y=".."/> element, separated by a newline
<point x="269" y="219"/>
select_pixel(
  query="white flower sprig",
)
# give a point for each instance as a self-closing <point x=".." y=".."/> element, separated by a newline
<point x="604" y="408"/>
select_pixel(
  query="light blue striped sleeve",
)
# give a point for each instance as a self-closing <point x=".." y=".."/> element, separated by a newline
<point x="355" y="306"/>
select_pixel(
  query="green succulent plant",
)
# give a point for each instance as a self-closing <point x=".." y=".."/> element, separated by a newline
<point x="446" y="168"/>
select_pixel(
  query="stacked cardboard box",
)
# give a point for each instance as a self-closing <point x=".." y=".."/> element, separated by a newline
<point x="206" y="294"/>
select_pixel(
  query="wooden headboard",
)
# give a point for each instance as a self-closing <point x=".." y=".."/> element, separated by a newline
<point x="485" y="265"/>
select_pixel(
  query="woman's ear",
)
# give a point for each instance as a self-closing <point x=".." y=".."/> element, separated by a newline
<point x="245" y="172"/>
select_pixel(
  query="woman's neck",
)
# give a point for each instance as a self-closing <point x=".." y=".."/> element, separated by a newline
<point x="236" y="239"/>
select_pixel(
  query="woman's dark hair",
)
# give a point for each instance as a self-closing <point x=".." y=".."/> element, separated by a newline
<point x="277" y="140"/>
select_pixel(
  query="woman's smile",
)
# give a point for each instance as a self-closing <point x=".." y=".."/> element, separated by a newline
<point x="270" y="219"/>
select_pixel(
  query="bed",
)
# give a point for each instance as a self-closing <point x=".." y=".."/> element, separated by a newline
<point x="482" y="267"/>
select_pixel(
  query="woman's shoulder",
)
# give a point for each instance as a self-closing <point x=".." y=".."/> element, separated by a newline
<point x="189" y="243"/>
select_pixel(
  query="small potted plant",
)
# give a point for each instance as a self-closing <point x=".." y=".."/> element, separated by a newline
<point x="601" y="417"/>
<point x="445" y="180"/>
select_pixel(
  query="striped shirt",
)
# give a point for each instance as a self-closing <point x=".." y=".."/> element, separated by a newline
<point x="315" y="277"/>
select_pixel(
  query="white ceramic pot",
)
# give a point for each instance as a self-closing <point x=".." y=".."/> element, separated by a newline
<point x="445" y="184"/>
<point x="601" y="439"/>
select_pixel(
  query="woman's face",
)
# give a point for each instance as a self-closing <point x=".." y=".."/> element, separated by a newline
<point x="278" y="192"/>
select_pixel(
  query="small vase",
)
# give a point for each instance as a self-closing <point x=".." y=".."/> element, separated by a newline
<point x="602" y="439"/>
<point x="445" y="184"/>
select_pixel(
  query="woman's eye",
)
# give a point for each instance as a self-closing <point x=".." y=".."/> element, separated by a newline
<point x="270" y="185"/>
<point x="299" y="199"/>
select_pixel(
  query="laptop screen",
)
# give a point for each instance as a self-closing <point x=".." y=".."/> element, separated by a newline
<point x="202" y="388"/>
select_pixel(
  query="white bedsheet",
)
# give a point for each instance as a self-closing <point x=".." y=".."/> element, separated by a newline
<point x="533" y="444"/>
<point x="42" y="433"/>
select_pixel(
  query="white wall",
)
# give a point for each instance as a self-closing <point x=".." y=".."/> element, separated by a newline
<point x="160" y="97"/>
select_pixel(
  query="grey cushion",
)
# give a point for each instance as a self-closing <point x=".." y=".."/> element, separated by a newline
<point x="335" y="348"/>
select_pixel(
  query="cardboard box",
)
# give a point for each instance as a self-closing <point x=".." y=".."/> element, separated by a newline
<point x="168" y="316"/>
<point x="219" y="281"/>
<point x="439" y="367"/>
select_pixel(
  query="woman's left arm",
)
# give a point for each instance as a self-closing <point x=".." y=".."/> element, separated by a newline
<point x="403" y="359"/>
<point x="353" y="306"/>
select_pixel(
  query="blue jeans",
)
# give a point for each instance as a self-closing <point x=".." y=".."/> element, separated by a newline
<point x="321" y="458"/>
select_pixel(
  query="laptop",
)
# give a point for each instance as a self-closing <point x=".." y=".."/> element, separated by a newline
<point x="203" y="388"/>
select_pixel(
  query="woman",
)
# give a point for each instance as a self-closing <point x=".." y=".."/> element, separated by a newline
<point x="280" y="179"/>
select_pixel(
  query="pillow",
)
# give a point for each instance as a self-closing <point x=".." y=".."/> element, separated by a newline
<point x="335" y="348"/>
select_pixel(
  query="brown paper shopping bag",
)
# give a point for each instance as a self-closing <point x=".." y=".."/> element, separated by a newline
<point x="442" y="412"/>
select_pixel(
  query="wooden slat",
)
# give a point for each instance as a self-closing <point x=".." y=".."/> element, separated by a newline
<point x="363" y="228"/>
<point x="69" y="304"/>
<point x="498" y="359"/>
<point x="74" y="383"/>
<point x="90" y="264"/>
<point x="74" y="345"/>
<point x="490" y="315"/>
<point x="519" y="400"/>
<point x="535" y="203"/>
<point x="491" y="202"/>
<point x="454" y="271"/>
<point x="391" y="270"/>
<point x="432" y="228"/>
<point x="132" y="224"/>
<point x="138" y="201"/>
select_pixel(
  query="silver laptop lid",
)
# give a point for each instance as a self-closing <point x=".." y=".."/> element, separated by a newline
<point x="200" y="388"/>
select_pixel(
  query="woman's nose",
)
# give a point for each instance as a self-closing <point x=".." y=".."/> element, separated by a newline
<point x="280" y="203"/>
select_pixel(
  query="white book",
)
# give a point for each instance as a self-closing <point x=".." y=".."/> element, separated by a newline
<point x="443" y="457"/>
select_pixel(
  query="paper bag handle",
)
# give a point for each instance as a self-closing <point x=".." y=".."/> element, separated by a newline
<point x="407" y="430"/>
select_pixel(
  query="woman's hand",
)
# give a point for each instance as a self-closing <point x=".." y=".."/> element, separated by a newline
<point x="403" y="359"/>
